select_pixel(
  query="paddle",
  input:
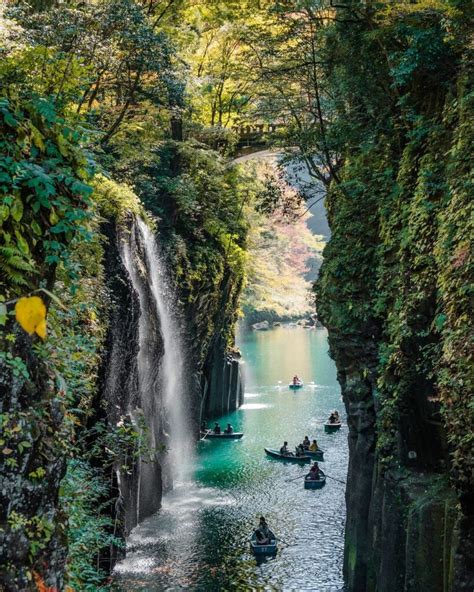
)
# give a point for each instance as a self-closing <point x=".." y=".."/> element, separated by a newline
<point x="334" y="479"/>
<point x="299" y="477"/>
<point x="206" y="434"/>
<point x="304" y="474"/>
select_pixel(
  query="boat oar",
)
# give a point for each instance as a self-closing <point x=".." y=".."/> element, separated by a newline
<point x="299" y="477"/>
<point x="334" y="479"/>
<point x="206" y="434"/>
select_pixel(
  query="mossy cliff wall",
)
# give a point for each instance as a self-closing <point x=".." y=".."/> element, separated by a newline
<point x="395" y="293"/>
<point x="214" y="385"/>
<point x="198" y="200"/>
<point x="140" y="483"/>
<point x="210" y="308"/>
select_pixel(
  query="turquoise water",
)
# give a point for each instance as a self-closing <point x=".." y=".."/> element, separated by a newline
<point x="199" y="540"/>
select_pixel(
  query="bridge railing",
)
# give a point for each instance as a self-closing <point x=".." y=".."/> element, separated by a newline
<point x="255" y="133"/>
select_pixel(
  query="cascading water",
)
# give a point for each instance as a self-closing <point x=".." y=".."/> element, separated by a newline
<point x="161" y="366"/>
<point x="172" y="369"/>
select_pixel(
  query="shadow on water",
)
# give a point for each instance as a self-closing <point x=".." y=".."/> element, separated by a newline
<point x="200" y="538"/>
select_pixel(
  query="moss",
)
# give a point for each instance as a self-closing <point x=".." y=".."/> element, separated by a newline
<point x="394" y="287"/>
<point x="115" y="200"/>
<point x="409" y="289"/>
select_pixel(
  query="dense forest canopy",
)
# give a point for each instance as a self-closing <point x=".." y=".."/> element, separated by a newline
<point x="118" y="108"/>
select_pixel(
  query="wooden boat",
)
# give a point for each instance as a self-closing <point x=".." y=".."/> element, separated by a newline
<point x="268" y="549"/>
<point x="289" y="458"/>
<point x="315" y="483"/>
<point x="332" y="427"/>
<point x="295" y="386"/>
<point x="232" y="436"/>
<point x="317" y="455"/>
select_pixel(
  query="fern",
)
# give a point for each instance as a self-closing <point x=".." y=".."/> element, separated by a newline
<point x="15" y="266"/>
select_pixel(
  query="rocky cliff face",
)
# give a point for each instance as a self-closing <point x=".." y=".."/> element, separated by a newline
<point x="393" y="293"/>
<point x="222" y="383"/>
<point x="130" y="387"/>
<point x="32" y="524"/>
<point x="126" y="400"/>
<point x="199" y="202"/>
<point x="217" y="374"/>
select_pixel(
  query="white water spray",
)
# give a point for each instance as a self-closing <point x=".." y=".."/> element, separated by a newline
<point x="172" y="370"/>
<point x="162" y="388"/>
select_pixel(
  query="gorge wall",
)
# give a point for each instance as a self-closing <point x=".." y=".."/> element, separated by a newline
<point x="130" y="395"/>
<point x="204" y="277"/>
<point x="202" y="236"/>
<point x="133" y="383"/>
<point x="395" y="292"/>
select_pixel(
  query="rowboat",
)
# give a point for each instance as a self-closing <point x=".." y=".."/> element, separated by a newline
<point x="332" y="427"/>
<point x="232" y="436"/>
<point x="296" y="385"/>
<point x="286" y="457"/>
<point x="267" y="549"/>
<point x="317" y="455"/>
<point x="315" y="483"/>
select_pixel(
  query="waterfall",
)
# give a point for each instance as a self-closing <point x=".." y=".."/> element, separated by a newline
<point x="161" y="359"/>
<point x="173" y="367"/>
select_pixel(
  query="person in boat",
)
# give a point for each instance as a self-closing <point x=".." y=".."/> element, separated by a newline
<point x="332" y="418"/>
<point x="336" y="415"/>
<point x="314" y="446"/>
<point x="229" y="429"/>
<point x="314" y="472"/>
<point x="284" y="449"/>
<point x="296" y="380"/>
<point x="204" y="427"/>
<point x="217" y="428"/>
<point x="300" y="450"/>
<point x="306" y="443"/>
<point x="263" y="533"/>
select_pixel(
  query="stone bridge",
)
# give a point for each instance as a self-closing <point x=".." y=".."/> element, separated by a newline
<point x="255" y="135"/>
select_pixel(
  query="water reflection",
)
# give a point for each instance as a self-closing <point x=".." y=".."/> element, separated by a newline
<point x="199" y="540"/>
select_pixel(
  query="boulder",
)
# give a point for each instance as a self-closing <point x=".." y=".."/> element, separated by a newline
<point x="262" y="326"/>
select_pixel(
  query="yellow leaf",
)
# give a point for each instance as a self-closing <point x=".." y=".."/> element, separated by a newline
<point x="31" y="314"/>
<point x="41" y="329"/>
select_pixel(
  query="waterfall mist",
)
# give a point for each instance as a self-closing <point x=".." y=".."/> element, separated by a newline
<point x="161" y="368"/>
<point x="172" y="375"/>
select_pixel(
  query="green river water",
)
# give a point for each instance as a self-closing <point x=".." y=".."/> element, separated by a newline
<point x="199" y="540"/>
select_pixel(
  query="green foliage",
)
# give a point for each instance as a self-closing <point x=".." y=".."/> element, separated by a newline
<point x="282" y="251"/>
<point x="45" y="196"/>
<point x="394" y="279"/>
<point x="90" y="527"/>
<point x="127" y="53"/>
<point x="114" y="200"/>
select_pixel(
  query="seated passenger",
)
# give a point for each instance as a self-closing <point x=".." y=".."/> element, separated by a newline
<point x="332" y="418"/>
<point x="296" y="380"/>
<point x="314" y="472"/>
<point x="217" y="428"/>
<point x="336" y="415"/>
<point x="284" y="448"/>
<point x="314" y="446"/>
<point x="306" y="442"/>
<point x="229" y="429"/>
<point x="300" y="450"/>
<point x="263" y="533"/>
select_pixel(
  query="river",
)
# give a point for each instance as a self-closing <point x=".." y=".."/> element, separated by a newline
<point x="199" y="540"/>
